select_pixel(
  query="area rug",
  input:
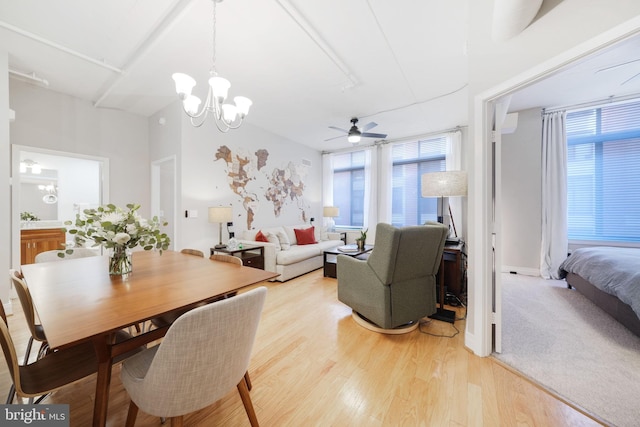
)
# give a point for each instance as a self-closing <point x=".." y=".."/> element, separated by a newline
<point x="561" y="340"/>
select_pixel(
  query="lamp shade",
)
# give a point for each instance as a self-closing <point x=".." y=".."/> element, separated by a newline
<point x="444" y="184"/>
<point x="184" y="84"/>
<point x="220" y="214"/>
<point x="331" y="211"/>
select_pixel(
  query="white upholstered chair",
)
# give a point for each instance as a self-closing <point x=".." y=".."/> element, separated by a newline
<point x="196" y="364"/>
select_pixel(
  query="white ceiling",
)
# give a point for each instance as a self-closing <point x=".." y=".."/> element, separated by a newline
<point x="306" y="65"/>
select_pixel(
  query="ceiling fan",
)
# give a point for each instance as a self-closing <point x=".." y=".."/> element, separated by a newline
<point x="354" y="133"/>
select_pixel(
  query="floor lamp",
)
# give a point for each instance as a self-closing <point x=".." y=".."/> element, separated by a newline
<point x="444" y="184"/>
<point x="220" y="214"/>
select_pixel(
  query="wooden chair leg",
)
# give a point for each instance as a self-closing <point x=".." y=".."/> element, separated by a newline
<point x="176" y="421"/>
<point x="131" y="415"/>
<point x="247" y="380"/>
<point x="246" y="400"/>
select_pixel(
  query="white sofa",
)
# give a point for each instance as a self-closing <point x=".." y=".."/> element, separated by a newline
<point x="291" y="260"/>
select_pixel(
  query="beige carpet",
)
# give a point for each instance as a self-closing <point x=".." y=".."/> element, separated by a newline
<point x="563" y="341"/>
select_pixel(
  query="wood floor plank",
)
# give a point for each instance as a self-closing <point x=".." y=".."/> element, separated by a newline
<point x="312" y="365"/>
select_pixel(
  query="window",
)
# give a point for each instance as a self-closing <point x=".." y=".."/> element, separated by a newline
<point x="348" y="188"/>
<point x="410" y="161"/>
<point x="603" y="178"/>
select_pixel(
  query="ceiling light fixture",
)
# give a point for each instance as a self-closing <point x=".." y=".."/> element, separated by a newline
<point x="354" y="133"/>
<point x="226" y="116"/>
<point x="36" y="169"/>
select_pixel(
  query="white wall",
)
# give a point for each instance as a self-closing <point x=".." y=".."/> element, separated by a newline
<point x="204" y="181"/>
<point x="521" y="195"/>
<point x="50" y="120"/>
<point x="5" y="190"/>
<point x="563" y="29"/>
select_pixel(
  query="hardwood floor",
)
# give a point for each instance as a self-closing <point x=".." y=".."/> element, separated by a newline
<point x="312" y="365"/>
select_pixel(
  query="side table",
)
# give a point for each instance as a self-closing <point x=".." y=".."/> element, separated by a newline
<point x="251" y="255"/>
<point x="330" y="258"/>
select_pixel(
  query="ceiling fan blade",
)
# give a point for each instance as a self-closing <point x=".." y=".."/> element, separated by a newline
<point x="368" y="126"/>
<point x="373" y="135"/>
<point x="335" y="137"/>
<point x="336" y="128"/>
<point x="629" y="79"/>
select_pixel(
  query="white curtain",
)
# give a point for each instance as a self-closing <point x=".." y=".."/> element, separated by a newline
<point x="327" y="180"/>
<point x="385" y="183"/>
<point x="555" y="243"/>
<point x="453" y="162"/>
<point x="370" y="192"/>
<point x="327" y="189"/>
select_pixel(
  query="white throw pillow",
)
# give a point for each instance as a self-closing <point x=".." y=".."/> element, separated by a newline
<point x="285" y="243"/>
<point x="272" y="238"/>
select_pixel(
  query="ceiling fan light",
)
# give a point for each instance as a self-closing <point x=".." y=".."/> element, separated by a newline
<point x="220" y="87"/>
<point x="354" y="138"/>
<point x="229" y="112"/>
<point x="243" y="104"/>
<point x="184" y="84"/>
<point x="191" y="104"/>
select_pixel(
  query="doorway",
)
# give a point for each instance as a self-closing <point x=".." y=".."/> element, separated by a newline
<point x="50" y="187"/>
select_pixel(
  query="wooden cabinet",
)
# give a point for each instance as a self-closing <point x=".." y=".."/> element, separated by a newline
<point x="34" y="241"/>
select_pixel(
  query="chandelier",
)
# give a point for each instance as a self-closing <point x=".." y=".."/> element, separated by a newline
<point x="226" y="116"/>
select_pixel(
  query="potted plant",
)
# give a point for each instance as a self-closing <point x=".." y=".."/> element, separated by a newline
<point x="362" y="239"/>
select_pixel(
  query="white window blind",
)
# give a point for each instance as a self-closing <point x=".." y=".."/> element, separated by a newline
<point x="603" y="173"/>
<point x="348" y="188"/>
<point x="410" y="161"/>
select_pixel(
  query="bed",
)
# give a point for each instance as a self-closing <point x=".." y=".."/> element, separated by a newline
<point x="610" y="277"/>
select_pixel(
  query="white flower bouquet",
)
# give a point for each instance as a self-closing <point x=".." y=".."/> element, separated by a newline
<point x="118" y="230"/>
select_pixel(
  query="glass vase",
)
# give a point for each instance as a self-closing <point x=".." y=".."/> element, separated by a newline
<point x="120" y="261"/>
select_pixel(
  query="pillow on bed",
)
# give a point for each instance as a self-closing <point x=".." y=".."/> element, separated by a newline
<point x="305" y="236"/>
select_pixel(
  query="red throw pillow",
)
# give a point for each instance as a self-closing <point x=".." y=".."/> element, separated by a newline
<point x="261" y="237"/>
<point x="305" y="236"/>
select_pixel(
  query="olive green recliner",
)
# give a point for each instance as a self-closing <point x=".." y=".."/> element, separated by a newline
<point x="396" y="285"/>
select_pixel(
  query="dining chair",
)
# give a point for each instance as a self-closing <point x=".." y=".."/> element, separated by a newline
<point x="226" y="258"/>
<point x="48" y="256"/>
<point x="195" y="252"/>
<point x="52" y="371"/>
<point x="36" y="330"/>
<point x="196" y="364"/>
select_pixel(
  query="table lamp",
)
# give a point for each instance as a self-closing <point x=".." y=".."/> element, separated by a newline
<point x="220" y="214"/>
<point x="331" y="212"/>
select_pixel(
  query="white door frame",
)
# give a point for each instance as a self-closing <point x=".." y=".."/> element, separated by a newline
<point x="478" y="334"/>
<point x="156" y="190"/>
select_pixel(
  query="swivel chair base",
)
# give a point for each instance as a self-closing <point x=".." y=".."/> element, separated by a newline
<point x="404" y="329"/>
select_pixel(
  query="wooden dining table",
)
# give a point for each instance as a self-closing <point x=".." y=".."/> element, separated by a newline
<point x="77" y="300"/>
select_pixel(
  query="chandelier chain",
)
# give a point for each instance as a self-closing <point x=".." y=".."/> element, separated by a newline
<point x="215" y="26"/>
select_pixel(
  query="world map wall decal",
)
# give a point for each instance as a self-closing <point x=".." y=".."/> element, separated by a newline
<point x="248" y="176"/>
